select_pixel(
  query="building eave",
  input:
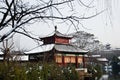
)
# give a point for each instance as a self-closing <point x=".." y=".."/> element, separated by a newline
<point x="63" y="48"/>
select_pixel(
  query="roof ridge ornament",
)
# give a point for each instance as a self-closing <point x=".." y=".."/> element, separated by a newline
<point x="55" y="28"/>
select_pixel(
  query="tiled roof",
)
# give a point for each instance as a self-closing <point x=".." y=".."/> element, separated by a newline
<point x="69" y="48"/>
<point x="57" y="47"/>
<point x="39" y="49"/>
<point x="57" y="33"/>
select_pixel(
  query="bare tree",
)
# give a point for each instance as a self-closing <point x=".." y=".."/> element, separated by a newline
<point x="86" y="41"/>
<point x="6" y="48"/>
<point x="15" y="14"/>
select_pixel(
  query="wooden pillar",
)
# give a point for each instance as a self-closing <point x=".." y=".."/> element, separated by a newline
<point x="29" y="57"/>
<point x="63" y="60"/>
<point x="83" y="59"/>
<point x="55" y="57"/>
<point x="76" y="61"/>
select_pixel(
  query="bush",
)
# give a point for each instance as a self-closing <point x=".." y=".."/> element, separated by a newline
<point x="36" y="71"/>
<point x="70" y="74"/>
<point x="95" y="70"/>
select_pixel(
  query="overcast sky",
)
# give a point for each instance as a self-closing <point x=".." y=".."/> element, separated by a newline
<point x="106" y="27"/>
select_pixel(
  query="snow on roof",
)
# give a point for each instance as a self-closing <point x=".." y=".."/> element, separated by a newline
<point x="69" y="48"/>
<point x="42" y="48"/>
<point x="102" y="59"/>
<point x="57" y="33"/>
<point x="58" y="47"/>
<point x="95" y="55"/>
<point x="1" y="53"/>
<point x="62" y="35"/>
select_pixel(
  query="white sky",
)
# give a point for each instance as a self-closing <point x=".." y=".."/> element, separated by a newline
<point x="99" y="26"/>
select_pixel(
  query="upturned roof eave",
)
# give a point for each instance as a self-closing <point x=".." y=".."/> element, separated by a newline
<point x="58" y="34"/>
<point x="68" y="52"/>
<point x="57" y="48"/>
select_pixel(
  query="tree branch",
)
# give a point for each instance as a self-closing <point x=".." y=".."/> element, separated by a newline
<point x="27" y="35"/>
<point x="17" y="14"/>
<point x="6" y="14"/>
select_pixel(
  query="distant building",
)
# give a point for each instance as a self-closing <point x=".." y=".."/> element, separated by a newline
<point x="1" y="56"/>
<point x="105" y="56"/>
<point x="56" y="47"/>
<point x="15" y="56"/>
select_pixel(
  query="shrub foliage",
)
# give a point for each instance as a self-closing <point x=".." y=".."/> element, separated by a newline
<point x="36" y="71"/>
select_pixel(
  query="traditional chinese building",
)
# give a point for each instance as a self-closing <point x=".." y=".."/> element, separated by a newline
<point x="56" y="47"/>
